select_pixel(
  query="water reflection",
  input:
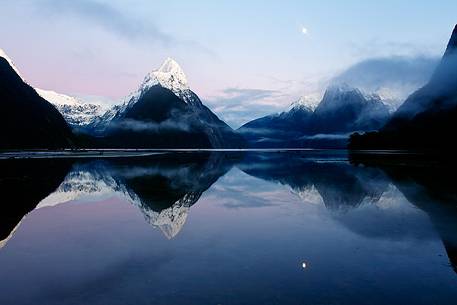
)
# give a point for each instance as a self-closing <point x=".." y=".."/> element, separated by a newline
<point x="368" y="196"/>
<point x="162" y="187"/>
<point x="428" y="185"/>
<point x="22" y="187"/>
<point x="341" y="186"/>
<point x="358" y="222"/>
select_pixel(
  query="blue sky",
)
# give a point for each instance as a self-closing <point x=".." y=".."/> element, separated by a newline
<point x="251" y="55"/>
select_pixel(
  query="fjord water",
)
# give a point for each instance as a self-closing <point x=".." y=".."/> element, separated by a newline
<point x="227" y="228"/>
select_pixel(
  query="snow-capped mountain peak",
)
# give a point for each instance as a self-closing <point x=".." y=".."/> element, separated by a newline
<point x="385" y="95"/>
<point x="172" y="67"/>
<point x="339" y="94"/>
<point x="169" y="75"/>
<point x="11" y="63"/>
<point x="304" y="102"/>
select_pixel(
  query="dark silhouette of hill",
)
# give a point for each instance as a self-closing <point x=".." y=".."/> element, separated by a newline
<point x="427" y="119"/>
<point x="28" y="121"/>
<point x="426" y="183"/>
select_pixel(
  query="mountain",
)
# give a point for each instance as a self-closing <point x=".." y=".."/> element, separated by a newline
<point x="76" y="112"/>
<point x="278" y="127"/>
<point x="28" y="120"/>
<point x="339" y="186"/>
<point x="342" y="110"/>
<point x="428" y="117"/>
<point x="425" y="181"/>
<point x="163" y="187"/>
<point x="10" y="62"/>
<point x="164" y="112"/>
<point x="393" y="78"/>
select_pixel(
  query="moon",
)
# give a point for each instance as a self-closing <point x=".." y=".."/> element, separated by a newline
<point x="304" y="30"/>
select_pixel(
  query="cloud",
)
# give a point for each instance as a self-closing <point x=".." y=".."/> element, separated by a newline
<point x="381" y="48"/>
<point x="136" y="125"/>
<point x="248" y="93"/>
<point x="117" y="22"/>
<point x="326" y="137"/>
<point x="106" y="17"/>
<point x="393" y="77"/>
<point x="237" y="106"/>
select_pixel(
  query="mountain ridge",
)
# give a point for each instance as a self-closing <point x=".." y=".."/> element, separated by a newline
<point x="29" y="121"/>
<point x="343" y="109"/>
<point x="427" y="118"/>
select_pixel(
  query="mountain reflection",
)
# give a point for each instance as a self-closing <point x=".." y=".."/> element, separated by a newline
<point x="365" y="196"/>
<point x="22" y="186"/>
<point x="163" y="187"/>
<point x="428" y="185"/>
<point x="340" y="185"/>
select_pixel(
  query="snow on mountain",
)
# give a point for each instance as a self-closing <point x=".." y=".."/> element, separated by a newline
<point x="58" y="98"/>
<point x="170" y="76"/>
<point x="3" y="54"/>
<point x="387" y="96"/>
<point x="341" y="93"/>
<point x="305" y="102"/>
<point x="335" y="92"/>
<point x="75" y="111"/>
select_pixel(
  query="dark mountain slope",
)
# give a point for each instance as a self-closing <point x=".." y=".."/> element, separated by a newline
<point x="344" y="109"/>
<point x="28" y="121"/>
<point x="427" y="120"/>
<point x="277" y="127"/>
<point x="160" y="119"/>
<point x="163" y="113"/>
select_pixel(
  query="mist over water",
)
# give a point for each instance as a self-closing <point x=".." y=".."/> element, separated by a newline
<point x="304" y="227"/>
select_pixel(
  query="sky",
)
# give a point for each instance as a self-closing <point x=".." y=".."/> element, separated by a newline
<point x="243" y="58"/>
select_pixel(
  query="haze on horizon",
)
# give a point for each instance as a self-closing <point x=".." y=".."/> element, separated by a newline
<point x="243" y="59"/>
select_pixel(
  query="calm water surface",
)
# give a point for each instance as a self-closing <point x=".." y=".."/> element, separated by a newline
<point x="227" y="228"/>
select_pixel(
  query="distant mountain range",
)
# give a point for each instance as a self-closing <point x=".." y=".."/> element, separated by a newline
<point x="163" y="113"/>
<point x="342" y="110"/>
<point x="428" y="117"/>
